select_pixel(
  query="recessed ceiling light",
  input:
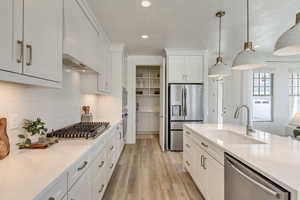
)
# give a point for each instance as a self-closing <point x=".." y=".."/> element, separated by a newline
<point x="146" y="4"/>
<point x="145" y="36"/>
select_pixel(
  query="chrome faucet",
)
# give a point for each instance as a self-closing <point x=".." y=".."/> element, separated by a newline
<point x="236" y="116"/>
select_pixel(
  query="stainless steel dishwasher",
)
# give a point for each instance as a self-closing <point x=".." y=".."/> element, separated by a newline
<point x="243" y="183"/>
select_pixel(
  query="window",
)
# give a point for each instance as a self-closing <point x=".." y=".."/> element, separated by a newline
<point x="294" y="93"/>
<point x="262" y="100"/>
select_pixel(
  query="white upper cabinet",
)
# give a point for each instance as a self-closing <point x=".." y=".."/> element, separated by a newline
<point x="43" y="32"/>
<point x="186" y="66"/>
<point x="11" y="35"/>
<point x="176" y="69"/>
<point x="194" y="66"/>
<point x="82" y="40"/>
<point x="31" y="41"/>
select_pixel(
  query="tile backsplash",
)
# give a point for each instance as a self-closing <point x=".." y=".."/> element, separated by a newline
<point x="57" y="107"/>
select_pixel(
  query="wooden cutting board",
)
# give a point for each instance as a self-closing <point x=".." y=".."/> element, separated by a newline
<point x="4" y="141"/>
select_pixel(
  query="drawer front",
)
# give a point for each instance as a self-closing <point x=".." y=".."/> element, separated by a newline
<point x="99" y="186"/>
<point x="188" y="144"/>
<point x="55" y="191"/>
<point x="78" y="169"/>
<point x="187" y="161"/>
<point x="213" y="150"/>
<point x="99" y="164"/>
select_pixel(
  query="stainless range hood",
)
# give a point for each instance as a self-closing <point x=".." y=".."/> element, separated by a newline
<point x="75" y="64"/>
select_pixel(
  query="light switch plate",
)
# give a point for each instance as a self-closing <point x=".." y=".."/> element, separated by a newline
<point x="13" y="121"/>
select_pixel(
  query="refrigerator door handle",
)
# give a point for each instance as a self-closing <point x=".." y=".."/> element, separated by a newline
<point x="185" y="111"/>
<point x="182" y="101"/>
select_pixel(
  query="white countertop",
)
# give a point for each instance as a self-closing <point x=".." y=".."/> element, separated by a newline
<point x="26" y="173"/>
<point x="277" y="159"/>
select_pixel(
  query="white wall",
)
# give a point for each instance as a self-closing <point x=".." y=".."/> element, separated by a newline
<point x="57" y="107"/>
<point x="133" y="61"/>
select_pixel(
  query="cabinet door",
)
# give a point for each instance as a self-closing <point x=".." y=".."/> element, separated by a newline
<point x="11" y="16"/>
<point x="199" y="171"/>
<point x="176" y="69"/>
<point x="108" y="71"/>
<point x="43" y="22"/>
<point x="214" y="179"/>
<point x="194" y="69"/>
<point x="81" y="189"/>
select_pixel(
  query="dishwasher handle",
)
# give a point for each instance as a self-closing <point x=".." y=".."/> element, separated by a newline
<point x="266" y="189"/>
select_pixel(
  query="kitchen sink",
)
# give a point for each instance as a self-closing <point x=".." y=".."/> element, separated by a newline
<point x="230" y="137"/>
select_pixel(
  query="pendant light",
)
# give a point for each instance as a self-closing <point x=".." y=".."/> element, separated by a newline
<point x="248" y="58"/>
<point x="219" y="69"/>
<point x="289" y="42"/>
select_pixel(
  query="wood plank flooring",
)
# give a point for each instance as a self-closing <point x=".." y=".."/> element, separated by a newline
<point x="144" y="172"/>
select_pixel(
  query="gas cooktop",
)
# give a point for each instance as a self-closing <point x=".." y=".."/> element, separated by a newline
<point x="81" y="130"/>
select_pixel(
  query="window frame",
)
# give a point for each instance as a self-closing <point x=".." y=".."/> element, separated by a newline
<point x="291" y="86"/>
<point x="264" y="93"/>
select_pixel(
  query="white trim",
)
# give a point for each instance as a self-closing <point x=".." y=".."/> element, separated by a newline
<point x="133" y="61"/>
<point x="185" y="52"/>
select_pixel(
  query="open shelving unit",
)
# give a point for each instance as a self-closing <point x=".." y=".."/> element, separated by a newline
<point x="147" y="98"/>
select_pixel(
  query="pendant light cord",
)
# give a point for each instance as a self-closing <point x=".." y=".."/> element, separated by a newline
<point x="220" y="35"/>
<point x="248" y="24"/>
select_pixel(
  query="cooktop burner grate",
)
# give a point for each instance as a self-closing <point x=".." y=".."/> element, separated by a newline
<point x="81" y="130"/>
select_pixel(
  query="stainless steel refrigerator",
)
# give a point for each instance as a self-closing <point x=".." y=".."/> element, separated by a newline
<point x="185" y="106"/>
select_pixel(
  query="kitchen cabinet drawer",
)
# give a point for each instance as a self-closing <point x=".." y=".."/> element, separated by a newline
<point x="99" y="164"/>
<point x="99" y="186"/>
<point x="56" y="191"/>
<point x="82" y="189"/>
<point x="188" y="161"/>
<point x="188" y="144"/>
<point x="78" y="169"/>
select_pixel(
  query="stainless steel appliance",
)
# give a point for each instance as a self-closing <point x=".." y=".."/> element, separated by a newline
<point x="185" y="106"/>
<point x="243" y="183"/>
<point x="85" y="130"/>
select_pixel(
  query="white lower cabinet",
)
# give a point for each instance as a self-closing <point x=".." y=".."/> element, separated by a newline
<point x="81" y="189"/>
<point x="88" y="177"/>
<point x="206" y="171"/>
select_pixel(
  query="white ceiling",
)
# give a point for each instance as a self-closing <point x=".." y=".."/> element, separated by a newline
<point x="192" y="23"/>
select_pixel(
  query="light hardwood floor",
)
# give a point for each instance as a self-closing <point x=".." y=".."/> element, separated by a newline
<point x="144" y="172"/>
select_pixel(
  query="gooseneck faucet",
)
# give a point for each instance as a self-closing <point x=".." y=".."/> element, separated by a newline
<point x="236" y="116"/>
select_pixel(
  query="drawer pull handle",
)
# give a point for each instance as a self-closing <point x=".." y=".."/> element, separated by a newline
<point x="188" y="133"/>
<point x="203" y="144"/>
<point x="83" y="166"/>
<point x="204" y="162"/>
<point x="101" y="189"/>
<point x="29" y="62"/>
<point x="188" y="146"/>
<point x="51" y="198"/>
<point x="112" y="147"/>
<point x="112" y="165"/>
<point x="101" y="165"/>
<point x="187" y="162"/>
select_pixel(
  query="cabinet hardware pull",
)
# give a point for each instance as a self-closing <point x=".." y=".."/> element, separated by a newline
<point x="188" y="133"/>
<point x="203" y="144"/>
<point x="101" y="165"/>
<point x="51" y="198"/>
<point x="19" y="42"/>
<point x="83" y="166"/>
<point x="112" y="147"/>
<point x="201" y="160"/>
<point x="101" y="189"/>
<point x="29" y="47"/>
<point x="188" y="146"/>
<point x="187" y="162"/>
<point x="112" y="165"/>
<point x="204" y="164"/>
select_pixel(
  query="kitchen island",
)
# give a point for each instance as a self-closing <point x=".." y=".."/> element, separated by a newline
<point x="275" y="157"/>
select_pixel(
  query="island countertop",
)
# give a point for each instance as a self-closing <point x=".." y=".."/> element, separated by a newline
<point x="277" y="158"/>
